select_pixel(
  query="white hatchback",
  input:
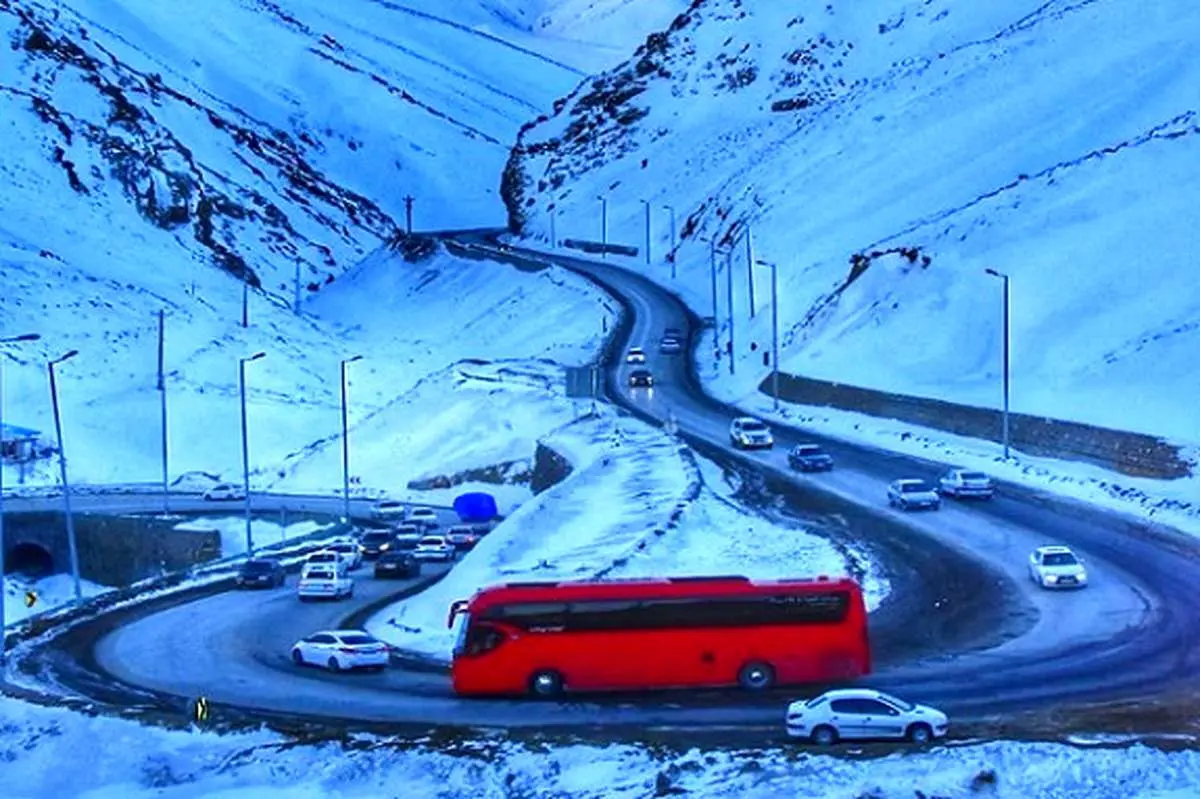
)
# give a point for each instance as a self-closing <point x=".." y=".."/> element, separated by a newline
<point x="341" y="650"/>
<point x="434" y="547"/>
<point x="862" y="713"/>
<point x="1057" y="567"/>
<point x="324" y="582"/>
<point x="224" y="491"/>
<point x="425" y="517"/>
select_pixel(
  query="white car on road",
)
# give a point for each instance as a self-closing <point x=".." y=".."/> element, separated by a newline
<point x="387" y="509"/>
<point x="434" y="547"/>
<point x="341" y="650"/>
<point x="224" y="491"/>
<point x="907" y="494"/>
<point x="1057" y="567"/>
<point x="964" y="483"/>
<point x="319" y="582"/>
<point x="350" y="551"/>
<point x="635" y="355"/>
<point x="326" y="559"/>
<point x="746" y="432"/>
<point x="425" y="517"/>
<point x="861" y="713"/>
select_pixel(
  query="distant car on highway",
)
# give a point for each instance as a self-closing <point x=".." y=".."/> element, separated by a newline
<point x="964" y="483"/>
<point x="341" y="650"/>
<point x="423" y="517"/>
<point x="406" y="536"/>
<point x="861" y="713"/>
<point x="388" y="509"/>
<point x="350" y="551"/>
<point x="261" y="573"/>
<point x="910" y="494"/>
<point x="1057" y="567"/>
<point x="641" y="378"/>
<point x="670" y="345"/>
<point x="325" y="558"/>
<point x="324" y="582"/>
<point x="375" y="542"/>
<point x="635" y="355"/>
<point x="224" y="491"/>
<point x="397" y="564"/>
<point x="809" y="458"/>
<point x="464" y="537"/>
<point x="746" y="432"/>
<point x="434" y="547"/>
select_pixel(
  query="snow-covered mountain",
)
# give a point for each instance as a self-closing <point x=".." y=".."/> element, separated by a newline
<point x="884" y="153"/>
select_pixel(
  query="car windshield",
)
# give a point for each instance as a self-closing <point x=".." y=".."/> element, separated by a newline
<point x="258" y="566"/>
<point x="914" y="487"/>
<point x="974" y="476"/>
<point x="322" y="557"/>
<point x="1059" y="559"/>
<point x="387" y="505"/>
<point x="898" y="702"/>
<point x="808" y="450"/>
<point x="753" y="427"/>
<point x="431" y="542"/>
<point x="376" y="538"/>
<point x="393" y="557"/>
<point x="357" y="639"/>
<point x="421" y="512"/>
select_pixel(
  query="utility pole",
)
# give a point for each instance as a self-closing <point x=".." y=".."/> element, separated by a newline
<point x="646" y="203"/>
<point x="712" y="269"/>
<point x="674" y="257"/>
<point x="729" y="299"/>
<point x="346" y="443"/>
<point x="3" y="638"/>
<point x="245" y="445"/>
<point x="296" y="301"/>
<point x="750" y="266"/>
<point x="73" y="549"/>
<point x="553" y="233"/>
<point x="408" y="206"/>
<point x="162" y="394"/>
<point x="603" y="226"/>
<point x="1004" y="417"/>
<point x="245" y="302"/>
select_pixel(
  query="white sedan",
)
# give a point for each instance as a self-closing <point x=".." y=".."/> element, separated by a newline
<point x="635" y="355"/>
<point x="324" y="582"/>
<point x="341" y="650"/>
<point x="966" y="483"/>
<point x="434" y="547"/>
<point x="908" y="493"/>
<point x="861" y="713"/>
<point x="224" y="491"/>
<point x="426" y="517"/>
<point x="350" y="551"/>
<point x="1057" y="567"/>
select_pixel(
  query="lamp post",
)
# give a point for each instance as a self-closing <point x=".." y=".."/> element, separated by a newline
<point x="671" y="209"/>
<point x="3" y="638"/>
<point x="750" y="267"/>
<point x="603" y="226"/>
<point x="162" y="392"/>
<point x="774" y="331"/>
<point x="646" y="204"/>
<point x="553" y="232"/>
<point x="1004" y="417"/>
<point x="346" y="443"/>
<point x="72" y="549"/>
<point x="729" y="300"/>
<point x="245" y="444"/>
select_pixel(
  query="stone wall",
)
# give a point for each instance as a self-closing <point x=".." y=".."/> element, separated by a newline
<point x="1133" y="454"/>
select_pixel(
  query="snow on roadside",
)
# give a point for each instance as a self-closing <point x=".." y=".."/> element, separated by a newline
<point x="142" y="762"/>
<point x="615" y="516"/>
<point x="1172" y="503"/>
<point x="232" y="530"/>
<point x="49" y="592"/>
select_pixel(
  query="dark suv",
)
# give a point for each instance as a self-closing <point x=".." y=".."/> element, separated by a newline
<point x="375" y="542"/>
<point x="809" y="458"/>
<point x="261" y="573"/>
<point x="397" y="564"/>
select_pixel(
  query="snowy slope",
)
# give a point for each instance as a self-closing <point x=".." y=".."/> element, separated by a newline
<point x="986" y="135"/>
<point x="147" y="762"/>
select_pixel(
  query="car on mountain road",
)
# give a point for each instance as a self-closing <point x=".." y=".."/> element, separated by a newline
<point x="261" y="573"/>
<point x="863" y="714"/>
<point x="324" y="582"/>
<point x="388" y="509"/>
<point x="966" y="484"/>
<point x="423" y="517"/>
<point x="809" y="458"/>
<point x="434" y="547"/>
<point x="636" y="355"/>
<point x="641" y="378"/>
<point x="913" y="494"/>
<point x="1057" y="567"/>
<point x="224" y="492"/>
<point x="341" y="650"/>
<point x="394" y="565"/>
<point x="746" y="432"/>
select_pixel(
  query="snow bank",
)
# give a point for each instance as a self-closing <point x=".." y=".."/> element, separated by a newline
<point x="50" y="592"/>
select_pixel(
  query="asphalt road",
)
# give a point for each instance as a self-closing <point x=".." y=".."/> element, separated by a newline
<point x="144" y="501"/>
<point x="1131" y="633"/>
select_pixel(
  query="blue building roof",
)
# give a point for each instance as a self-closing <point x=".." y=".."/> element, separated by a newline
<point x="10" y="432"/>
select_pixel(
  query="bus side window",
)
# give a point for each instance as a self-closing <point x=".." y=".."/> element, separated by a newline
<point x="483" y="638"/>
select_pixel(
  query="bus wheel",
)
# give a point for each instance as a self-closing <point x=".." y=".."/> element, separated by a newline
<point x="546" y="684"/>
<point x="756" y="676"/>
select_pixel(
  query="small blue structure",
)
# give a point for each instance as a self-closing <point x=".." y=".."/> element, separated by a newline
<point x="476" y="507"/>
<point x="18" y="444"/>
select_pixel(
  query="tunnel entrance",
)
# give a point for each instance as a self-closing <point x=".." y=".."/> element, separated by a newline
<point x="31" y="560"/>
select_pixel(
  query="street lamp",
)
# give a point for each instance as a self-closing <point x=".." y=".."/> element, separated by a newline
<point x="603" y="225"/>
<point x="62" y="469"/>
<point x="671" y="208"/>
<point x="3" y="639"/>
<point x="774" y="330"/>
<point x="346" y="442"/>
<point x="646" y="204"/>
<point x="1005" y="422"/>
<point x="245" y="444"/>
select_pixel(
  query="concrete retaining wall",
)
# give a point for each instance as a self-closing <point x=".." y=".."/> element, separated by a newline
<point x="1133" y="454"/>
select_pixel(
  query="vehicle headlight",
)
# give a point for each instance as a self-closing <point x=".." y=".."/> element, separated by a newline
<point x="384" y="547"/>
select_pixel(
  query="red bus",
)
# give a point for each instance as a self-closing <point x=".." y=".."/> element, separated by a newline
<point x="544" y="638"/>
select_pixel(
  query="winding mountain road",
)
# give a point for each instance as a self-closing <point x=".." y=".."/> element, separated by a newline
<point x="963" y="628"/>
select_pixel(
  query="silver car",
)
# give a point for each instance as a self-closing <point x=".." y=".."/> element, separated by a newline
<point x="966" y="483"/>
<point x="909" y="494"/>
<point x="434" y="547"/>
<point x="862" y="713"/>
